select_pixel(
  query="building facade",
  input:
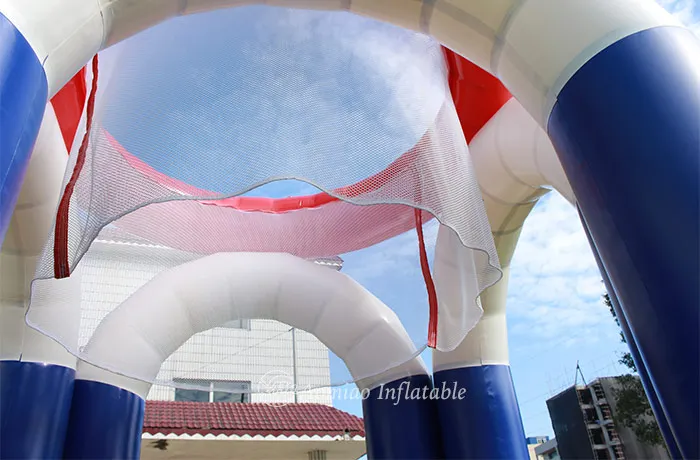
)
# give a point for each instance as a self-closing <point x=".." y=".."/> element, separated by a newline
<point x="583" y="421"/>
<point x="547" y="450"/>
<point x="532" y="442"/>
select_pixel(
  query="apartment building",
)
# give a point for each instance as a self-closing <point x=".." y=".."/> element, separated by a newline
<point x="583" y="421"/>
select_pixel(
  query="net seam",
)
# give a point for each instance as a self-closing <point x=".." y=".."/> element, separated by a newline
<point x="61" y="265"/>
<point x="429" y="284"/>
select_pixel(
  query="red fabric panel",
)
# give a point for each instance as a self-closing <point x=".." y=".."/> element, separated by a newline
<point x="477" y="94"/>
<point x="68" y="105"/>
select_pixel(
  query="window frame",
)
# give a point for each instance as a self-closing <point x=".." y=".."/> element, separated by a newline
<point x="213" y="391"/>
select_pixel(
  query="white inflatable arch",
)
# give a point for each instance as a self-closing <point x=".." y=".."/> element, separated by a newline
<point x="199" y="295"/>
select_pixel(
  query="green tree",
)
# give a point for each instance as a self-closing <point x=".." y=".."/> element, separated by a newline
<point x="626" y="358"/>
<point x="632" y="406"/>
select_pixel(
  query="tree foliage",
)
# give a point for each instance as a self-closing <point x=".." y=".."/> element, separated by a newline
<point x="633" y="410"/>
<point x="632" y="406"/>
<point x="626" y="358"/>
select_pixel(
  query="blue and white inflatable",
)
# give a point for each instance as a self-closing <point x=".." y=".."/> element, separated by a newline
<point x="615" y="85"/>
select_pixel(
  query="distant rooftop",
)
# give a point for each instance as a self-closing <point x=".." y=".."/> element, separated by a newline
<point x="176" y="418"/>
<point x="547" y="447"/>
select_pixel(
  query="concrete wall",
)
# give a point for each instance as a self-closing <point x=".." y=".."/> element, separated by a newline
<point x="262" y="353"/>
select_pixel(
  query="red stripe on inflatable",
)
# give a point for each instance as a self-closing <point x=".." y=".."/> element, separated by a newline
<point x="60" y="249"/>
<point x="68" y="104"/>
<point x="477" y="94"/>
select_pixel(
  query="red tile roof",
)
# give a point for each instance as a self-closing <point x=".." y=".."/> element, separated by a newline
<point x="248" y="418"/>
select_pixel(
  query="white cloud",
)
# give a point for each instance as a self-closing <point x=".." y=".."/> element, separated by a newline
<point x="687" y="11"/>
<point x="397" y="255"/>
<point x="552" y="242"/>
<point x="555" y="287"/>
<point x="330" y="97"/>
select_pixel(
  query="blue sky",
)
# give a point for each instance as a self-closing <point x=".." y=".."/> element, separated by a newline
<point x="556" y="317"/>
<point x="268" y="104"/>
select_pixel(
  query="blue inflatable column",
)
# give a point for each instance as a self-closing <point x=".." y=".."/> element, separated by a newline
<point x="105" y="422"/>
<point x="401" y="421"/>
<point x="636" y="357"/>
<point x="23" y="96"/>
<point x="626" y="128"/>
<point x="35" y="401"/>
<point x="484" y="420"/>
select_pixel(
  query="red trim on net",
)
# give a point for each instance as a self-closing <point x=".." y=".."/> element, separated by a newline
<point x="68" y="105"/>
<point x="263" y="204"/>
<point x="429" y="285"/>
<point x="60" y="248"/>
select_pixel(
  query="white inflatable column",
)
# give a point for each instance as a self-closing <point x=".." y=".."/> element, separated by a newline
<point x="36" y="373"/>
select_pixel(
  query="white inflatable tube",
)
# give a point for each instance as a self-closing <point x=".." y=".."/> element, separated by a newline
<point x="526" y="157"/>
<point x="495" y="35"/>
<point x="505" y="202"/>
<point x="29" y="228"/>
<point x="139" y="335"/>
<point x="514" y="159"/>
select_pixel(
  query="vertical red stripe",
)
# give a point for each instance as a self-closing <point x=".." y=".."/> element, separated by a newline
<point x="430" y="286"/>
<point x="60" y="248"/>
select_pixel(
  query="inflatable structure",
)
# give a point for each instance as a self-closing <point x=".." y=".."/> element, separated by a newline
<point x="479" y="109"/>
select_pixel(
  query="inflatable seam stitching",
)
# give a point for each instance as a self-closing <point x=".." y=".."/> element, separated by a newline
<point x="500" y="38"/>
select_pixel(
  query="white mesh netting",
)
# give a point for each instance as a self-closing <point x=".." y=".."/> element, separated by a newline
<point x="196" y="113"/>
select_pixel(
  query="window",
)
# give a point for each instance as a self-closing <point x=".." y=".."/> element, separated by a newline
<point x="237" y="324"/>
<point x="230" y="391"/>
<point x="191" y="395"/>
<point x="218" y="391"/>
